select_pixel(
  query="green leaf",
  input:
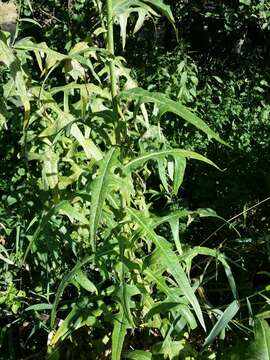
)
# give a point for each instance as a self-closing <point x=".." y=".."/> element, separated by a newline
<point x="90" y="88"/>
<point x="161" y="154"/>
<point x="125" y="293"/>
<point x="12" y="62"/>
<point x="54" y="58"/>
<point x="118" y="335"/>
<point x="255" y="349"/>
<point x="32" y="21"/>
<point x="260" y="349"/>
<point x="170" y="349"/>
<point x="27" y="44"/>
<point x="179" y="172"/>
<point x="50" y="169"/>
<point x="39" y="307"/>
<point x="170" y="259"/>
<point x="63" y="118"/>
<point x="188" y="316"/>
<point x="201" y="250"/>
<point x="6" y="54"/>
<point x="84" y="282"/>
<point x="161" y="284"/>
<point x="164" y="9"/>
<point x="137" y="355"/>
<point x="176" y="170"/>
<point x="79" y="316"/>
<point x="167" y="105"/>
<point x="45" y="218"/>
<point x="161" y="308"/>
<point x="122" y="9"/>
<point x="162" y="174"/>
<point x="90" y="149"/>
<point x="222" y="322"/>
<point x="67" y="278"/>
<point x="99" y="189"/>
<point x="174" y="224"/>
<point x="229" y="275"/>
<point x="67" y="209"/>
<point x="246" y="2"/>
<point x="172" y="216"/>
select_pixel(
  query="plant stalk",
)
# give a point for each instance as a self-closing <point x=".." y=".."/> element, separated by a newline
<point x="110" y="47"/>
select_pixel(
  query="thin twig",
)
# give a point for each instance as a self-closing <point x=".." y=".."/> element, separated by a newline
<point x="235" y="217"/>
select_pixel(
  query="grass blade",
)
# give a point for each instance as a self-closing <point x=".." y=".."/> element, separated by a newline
<point x="222" y="322"/>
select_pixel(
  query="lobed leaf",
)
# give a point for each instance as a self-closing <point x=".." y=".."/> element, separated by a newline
<point x="118" y="335"/>
<point x="170" y="259"/>
<point x="11" y="61"/>
<point x="161" y="154"/>
<point x="167" y="105"/>
<point x="99" y="188"/>
<point x="67" y="277"/>
<point x="79" y="316"/>
<point x="122" y="10"/>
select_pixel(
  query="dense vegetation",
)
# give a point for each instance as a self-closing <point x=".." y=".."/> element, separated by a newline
<point x="134" y="187"/>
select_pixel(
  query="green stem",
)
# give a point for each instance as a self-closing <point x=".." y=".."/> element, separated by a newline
<point x="110" y="47"/>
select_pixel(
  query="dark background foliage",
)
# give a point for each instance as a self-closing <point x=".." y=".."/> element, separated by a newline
<point x="228" y="42"/>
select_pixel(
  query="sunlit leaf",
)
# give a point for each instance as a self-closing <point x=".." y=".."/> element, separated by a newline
<point x="118" y="335"/>
<point x="11" y="61"/>
<point x="156" y="155"/>
<point x="122" y="9"/>
<point x="99" y="188"/>
<point x="80" y="315"/>
<point x="84" y="282"/>
<point x="171" y="261"/>
<point x="90" y="149"/>
<point x="179" y="172"/>
<point x="167" y="105"/>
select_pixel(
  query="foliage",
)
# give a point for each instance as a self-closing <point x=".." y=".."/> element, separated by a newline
<point x="93" y="263"/>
